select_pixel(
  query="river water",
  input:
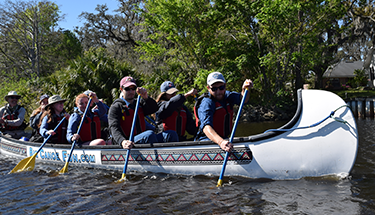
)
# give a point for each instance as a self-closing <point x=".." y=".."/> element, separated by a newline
<point x="91" y="191"/>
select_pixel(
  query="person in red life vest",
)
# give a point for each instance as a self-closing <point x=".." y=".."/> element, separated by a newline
<point x="121" y="112"/>
<point x="172" y="113"/>
<point x="12" y="117"/>
<point x="90" y="133"/>
<point x="51" y="117"/>
<point x="215" y="110"/>
<point x="35" y="119"/>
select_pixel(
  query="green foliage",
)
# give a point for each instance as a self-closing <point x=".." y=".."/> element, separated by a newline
<point x="360" y="78"/>
<point x="96" y="71"/>
<point x="30" y="94"/>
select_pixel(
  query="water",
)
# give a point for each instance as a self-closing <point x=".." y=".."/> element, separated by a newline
<point x="91" y="191"/>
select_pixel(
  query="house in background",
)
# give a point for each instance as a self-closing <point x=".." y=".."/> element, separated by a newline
<point x="339" y="74"/>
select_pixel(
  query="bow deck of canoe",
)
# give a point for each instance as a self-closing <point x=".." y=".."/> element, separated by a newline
<point x="304" y="148"/>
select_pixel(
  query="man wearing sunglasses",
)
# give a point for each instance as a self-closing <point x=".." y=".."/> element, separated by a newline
<point x="12" y="117"/>
<point x="121" y="112"/>
<point x="215" y="111"/>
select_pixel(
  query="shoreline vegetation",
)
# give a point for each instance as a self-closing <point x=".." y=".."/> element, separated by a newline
<point x="258" y="113"/>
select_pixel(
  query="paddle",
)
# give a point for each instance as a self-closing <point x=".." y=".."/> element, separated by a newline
<point x="131" y="138"/>
<point x="220" y="181"/>
<point x="65" y="168"/>
<point x="28" y="164"/>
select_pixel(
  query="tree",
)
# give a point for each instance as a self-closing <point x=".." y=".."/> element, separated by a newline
<point x="26" y="29"/>
<point x="95" y="70"/>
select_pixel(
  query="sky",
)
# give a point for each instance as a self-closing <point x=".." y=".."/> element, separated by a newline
<point x="73" y="8"/>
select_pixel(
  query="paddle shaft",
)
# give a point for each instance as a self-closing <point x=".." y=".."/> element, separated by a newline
<point x="54" y="130"/>
<point x="30" y="161"/>
<point x="131" y="138"/>
<point x="74" y="142"/>
<point x="220" y="181"/>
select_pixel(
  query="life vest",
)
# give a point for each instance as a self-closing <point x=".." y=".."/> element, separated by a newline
<point x="91" y="128"/>
<point x="222" y="119"/>
<point x="8" y="115"/>
<point x="176" y="122"/>
<point x="60" y="136"/>
<point x="127" y="120"/>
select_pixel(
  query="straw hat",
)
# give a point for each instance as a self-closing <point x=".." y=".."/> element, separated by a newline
<point x="54" y="99"/>
<point x="12" y="93"/>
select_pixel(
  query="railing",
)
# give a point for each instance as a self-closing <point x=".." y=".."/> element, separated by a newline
<point x="362" y="107"/>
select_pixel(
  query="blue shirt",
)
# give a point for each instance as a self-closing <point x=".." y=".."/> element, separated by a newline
<point x="75" y="119"/>
<point x="207" y="109"/>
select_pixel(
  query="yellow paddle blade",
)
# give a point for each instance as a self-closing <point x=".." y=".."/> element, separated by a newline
<point x="219" y="183"/>
<point x="27" y="164"/>
<point x="122" y="179"/>
<point x="64" y="169"/>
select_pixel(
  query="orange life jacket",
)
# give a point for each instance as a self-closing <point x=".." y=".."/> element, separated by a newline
<point x="176" y="122"/>
<point x="127" y="120"/>
<point x="91" y="128"/>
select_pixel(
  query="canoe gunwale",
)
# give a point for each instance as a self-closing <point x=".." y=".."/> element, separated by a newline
<point x="252" y="138"/>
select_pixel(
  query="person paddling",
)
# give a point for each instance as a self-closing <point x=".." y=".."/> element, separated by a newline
<point x="12" y="117"/>
<point x="173" y="115"/>
<point x="214" y="110"/>
<point x="35" y="119"/>
<point x="90" y="133"/>
<point x="121" y="112"/>
<point x="54" y="113"/>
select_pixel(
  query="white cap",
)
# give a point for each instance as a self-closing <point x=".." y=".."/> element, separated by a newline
<point x="215" y="77"/>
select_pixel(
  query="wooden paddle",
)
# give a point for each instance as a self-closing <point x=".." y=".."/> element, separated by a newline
<point x="65" y="168"/>
<point x="220" y="181"/>
<point x="131" y="138"/>
<point x="28" y="164"/>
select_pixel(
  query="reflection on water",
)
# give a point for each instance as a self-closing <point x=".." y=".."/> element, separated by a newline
<point x="84" y="191"/>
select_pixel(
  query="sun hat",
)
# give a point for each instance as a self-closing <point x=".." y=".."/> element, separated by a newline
<point x="54" y="99"/>
<point x="215" y="77"/>
<point x="45" y="96"/>
<point x="127" y="81"/>
<point x="11" y="93"/>
<point x="168" y="87"/>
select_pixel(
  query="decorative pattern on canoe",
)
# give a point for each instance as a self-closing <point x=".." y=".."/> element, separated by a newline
<point x="13" y="148"/>
<point x="177" y="157"/>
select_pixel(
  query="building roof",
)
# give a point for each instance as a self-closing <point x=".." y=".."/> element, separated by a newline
<point x="344" y="69"/>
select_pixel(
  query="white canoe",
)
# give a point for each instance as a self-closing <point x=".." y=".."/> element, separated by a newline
<point x="328" y="148"/>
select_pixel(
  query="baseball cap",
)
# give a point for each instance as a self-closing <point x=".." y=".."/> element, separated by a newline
<point x="215" y="77"/>
<point x="127" y="81"/>
<point x="168" y="87"/>
<point x="45" y="96"/>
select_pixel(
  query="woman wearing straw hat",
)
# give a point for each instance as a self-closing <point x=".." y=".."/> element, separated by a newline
<point x="35" y="119"/>
<point x="12" y="117"/>
<point x="54" y="113"/>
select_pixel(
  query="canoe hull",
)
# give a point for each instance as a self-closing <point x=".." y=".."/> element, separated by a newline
<point x="328" y="148"/>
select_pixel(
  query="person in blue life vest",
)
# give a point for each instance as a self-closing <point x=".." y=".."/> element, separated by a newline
<point x="35" y="119"/>
<point x="51" y="117"/>
<point x="12" y="117"/>
<point x="90" y="133"/>
<point x="172" y="113"/>
<point x="121" y="112"/>
<point x="214" y="110"/>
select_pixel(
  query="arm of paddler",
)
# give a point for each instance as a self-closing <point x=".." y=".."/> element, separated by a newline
<point x="212" y="135"/>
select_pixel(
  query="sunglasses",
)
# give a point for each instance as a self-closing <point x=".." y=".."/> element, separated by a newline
<point x="222" y="87"/>
<point x="13" y="97"/>
<point x="130" y="88"/>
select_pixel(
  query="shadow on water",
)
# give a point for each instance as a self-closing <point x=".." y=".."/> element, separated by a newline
<point x="89" y="191"/>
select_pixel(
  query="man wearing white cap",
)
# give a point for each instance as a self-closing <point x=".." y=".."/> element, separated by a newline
<point x="12" y="117"/>
<point x="215" y="110"/>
